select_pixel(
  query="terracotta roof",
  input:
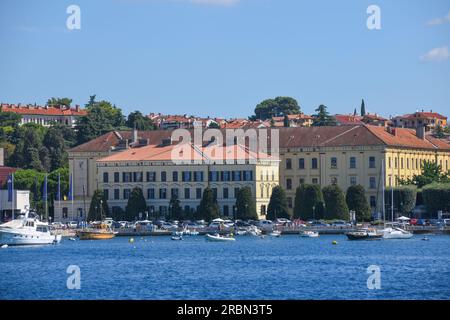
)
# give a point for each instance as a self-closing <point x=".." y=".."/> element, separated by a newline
<point x="298" y="137"/>
<point x="348" y="119"/>
<point x="431" y="115"/>
<point x="43" y="110"/>
<point x="185" y="152"/>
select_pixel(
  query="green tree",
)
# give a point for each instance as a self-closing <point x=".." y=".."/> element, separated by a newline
<point x="175" y="209"/>
<point x="101" y="118"/>
<point x="436" y="197"/>
<point x="404" y="198"/>
<point x="278" y="107"/>
<point x="140" y="122"/>
<point x="431" y="172"/>
<point x="208" y="208"/>
<point x="56" y="146"/>
<point x="439" y="132"/>
<point x="136" y="204"/>
<point x="278" y="206"/>
<point x="59" y="102"/>
<point x="335" y="205"/>
<point x="363" y="108"/>
<point x="98" y="209"/>
<point x="323" y="118"/>
<point x="245" y="205"/>
<point x="357" y="201"/>
<point x="308" y="202"/>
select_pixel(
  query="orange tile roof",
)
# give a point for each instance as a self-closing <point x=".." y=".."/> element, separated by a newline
<point x="185" y="152"/>
<point x="43" y="110"/>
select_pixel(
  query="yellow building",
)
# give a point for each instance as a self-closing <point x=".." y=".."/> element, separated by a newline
<point x="350" y="155"/>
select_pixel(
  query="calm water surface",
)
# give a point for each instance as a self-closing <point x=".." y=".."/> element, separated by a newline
<point x="289" y="267"/>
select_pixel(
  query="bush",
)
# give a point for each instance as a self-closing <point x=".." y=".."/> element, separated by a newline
<point x="436" y="196"/>
<point x="335" y="205"/>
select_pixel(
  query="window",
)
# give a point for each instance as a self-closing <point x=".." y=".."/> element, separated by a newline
<point x="371" y="162"/>
<point x="237" y="175"/>
<point x="333" y="163"/>
<point x="214" y="190"/>
<point x="334" y="181"/>
<point x="352" y="163"/>
<point x="151" y="176"/>
<point x="126" y="176"/>
<point x="174" y="192"/>
<point x="226" y="176"/>
<point x="137" y="176"/>
<point x="390" y="162"/>
<point x="116" y="194"/>
<point x="116" y="177"/>
<point x="126" y="194"/>
<point x="162" y="193"/>
<point x="289" y="201"/>
<point x="289" y="184"/>
<point x="163" y="176"/>
<point x="65" y="212"/>
<point x="373" y="201"/>
<point x="372" y="183"/>
<point x="248" y="175"/>
<point x="106" y="194"/>
<point x="213" y="176"/>
<point x="187" y="193"/>
<point x="198" y="193"/>
<point x="395" y="163"/>
<point x="288" y="164"/>
<point x="353" y="180"/>
<point x="301" y="163"/>
<point x="236" y="191"/>
<point x="151" y="193"/>
<point x="198" y="176"/>
<point x="401" y="163"/>
<point x="315" y="181"/>
<point x="187" y="176"/>
<point x="302" y="181"/>
<point x="105" y="177"/>
<point x="225" y="193"/>
<point x="175" y="176"/>
<point x="314" y="163"/>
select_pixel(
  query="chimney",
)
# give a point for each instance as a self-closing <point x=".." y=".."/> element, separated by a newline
<point x="135" y="134"/>
<point x="420" y="132"/>
<point x="2" y="159"/>
<point x="77" y="108"/>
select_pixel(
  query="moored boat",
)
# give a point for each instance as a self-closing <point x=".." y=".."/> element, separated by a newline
<point x="275" y="233"/>
<point x="309" y="234"/>
<point x="396" y="233"/>
<point x="27" y="230"/>
<point x="99" y="231"/>
<point x="218" y="237"/>
<point x="364" y="234"/>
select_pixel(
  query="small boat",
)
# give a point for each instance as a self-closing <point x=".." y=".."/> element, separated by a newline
<point x="27" y="230"/>
<point x="275" y="233"/>
<point x="364" y="234"/>
<point x="99" y="231"/>
<point x="425" y="239"/>
<point x="177" y="238"/>
<point x="309" y="234"/>
<point x="396" y="233"/>
<point x="218" y="237"/>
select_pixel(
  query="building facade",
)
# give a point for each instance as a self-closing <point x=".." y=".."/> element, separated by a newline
<point x="45" y="115"/>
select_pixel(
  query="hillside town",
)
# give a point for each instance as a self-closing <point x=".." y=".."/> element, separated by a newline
<point x="81" y="162"/>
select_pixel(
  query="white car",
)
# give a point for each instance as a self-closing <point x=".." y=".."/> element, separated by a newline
<point x="72" y="224"/>
<point x="266" y="225"/>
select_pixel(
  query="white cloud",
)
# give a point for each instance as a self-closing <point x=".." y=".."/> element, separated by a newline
<point x="438" y="21"/>
<point x="436" y="55"/>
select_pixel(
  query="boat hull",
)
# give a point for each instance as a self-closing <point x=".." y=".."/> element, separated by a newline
<point x="23" y="238"/>
<point x="218" y="238"/>
<point x="351" y="236"/>
<point x="89" y="235"/>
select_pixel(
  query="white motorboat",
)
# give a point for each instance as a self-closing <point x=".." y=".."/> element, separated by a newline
<point x="218" y="237"/>
<point x="27" y="230"/>
<point x="309" y="234"/>
<point x="275" y="233"/>
<point x="396" y="233"/>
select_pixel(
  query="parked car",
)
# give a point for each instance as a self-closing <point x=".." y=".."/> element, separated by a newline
<point x="341" y="224"/>
<point x="72" y="224"/>
<point x="266" y="225"/>
<point x="58" y="225"/>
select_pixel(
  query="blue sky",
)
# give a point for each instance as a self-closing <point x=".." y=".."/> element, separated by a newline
<point x="222" y="57"/>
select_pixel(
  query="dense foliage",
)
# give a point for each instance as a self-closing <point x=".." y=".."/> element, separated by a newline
<point x="278" y="205"/>
<point x="98" y="209"/>
<point x="323" y="118"/>
<point x="308" y="202"/>
<point x="208" y="208"/>
<point x="245" y="205"/>
<point x="136" y="205"/>
<point x="436" y="196"/>
<point x="335" y="204"/>
<point x="357" y="201"/>
<point x="278" y="107"/>
<point x="404" y="199"/>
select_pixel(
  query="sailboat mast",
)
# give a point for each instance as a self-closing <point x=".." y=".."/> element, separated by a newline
<point x="382" y="190"/>
<point x="392" y="204"/>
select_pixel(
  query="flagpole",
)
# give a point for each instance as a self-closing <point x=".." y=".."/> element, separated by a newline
<point x="59" y="196"/>
<point x="12" y="195"/>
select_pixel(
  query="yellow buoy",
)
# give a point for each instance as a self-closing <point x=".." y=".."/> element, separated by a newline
<point x="131" y="240"/>
<point x="334" y="242"/>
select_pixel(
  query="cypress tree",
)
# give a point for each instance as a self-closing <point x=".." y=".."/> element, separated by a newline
<point x="136" y="204"/>
<point x="278" y="206"/>
<point x="175" y="210"/>
<point x="363" y="108"/>
<point x="245" y="205"/>
<point x="308" y="202"/>
<point x="357" y="201"/>
<point x="335" y="205"/>
<point x="208" y="208"/>
<point x="98" y="210"/>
